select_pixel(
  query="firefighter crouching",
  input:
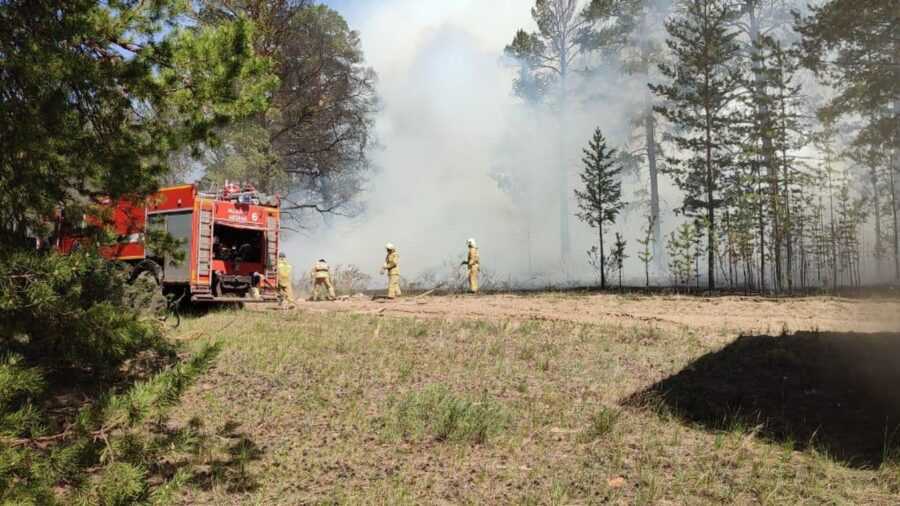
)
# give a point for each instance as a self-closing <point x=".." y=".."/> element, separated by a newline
<point x="321" y="275"/>
<point x="392" y="267"/>
<point x="473" y="262"/>
<point x="285" y="281"/>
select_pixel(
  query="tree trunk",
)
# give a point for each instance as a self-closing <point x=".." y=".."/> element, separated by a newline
<point x="833" y="238"/>
<point x="876" y="207"/>
<point x="565" y="246"/>
<point x="710" y="207"/>
<point x="602" y="256"/>
<point x="650" y="140"/>
<point x="650" y="134"/>
<point x="760" y="216"/>
<point x="762" y="107"/>
<point x="788" y="221"/>
<point x="892" y="179"/>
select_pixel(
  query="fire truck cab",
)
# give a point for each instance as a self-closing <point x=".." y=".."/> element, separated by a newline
<point x="229" y="241"/>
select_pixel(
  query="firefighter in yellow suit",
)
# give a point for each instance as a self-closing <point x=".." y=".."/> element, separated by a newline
<point x="392" y="267"/>
<point x="285" y="281"/>
<point x="321" y="275"/>
<point x="473" y="263"/>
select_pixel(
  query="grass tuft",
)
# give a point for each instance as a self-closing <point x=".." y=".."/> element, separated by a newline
<point x="600" y="424"/>
<point x="438" y="414"/>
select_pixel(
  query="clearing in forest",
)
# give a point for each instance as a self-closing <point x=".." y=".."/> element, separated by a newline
<point x="550" y="399"/>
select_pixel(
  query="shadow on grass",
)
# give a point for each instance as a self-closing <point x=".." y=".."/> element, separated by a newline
<point x="836" y="392"/>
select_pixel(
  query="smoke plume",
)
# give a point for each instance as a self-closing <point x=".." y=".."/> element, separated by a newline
<point x="460" y="156"/>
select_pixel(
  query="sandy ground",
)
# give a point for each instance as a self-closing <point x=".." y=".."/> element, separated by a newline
<point x="744" y="315"/>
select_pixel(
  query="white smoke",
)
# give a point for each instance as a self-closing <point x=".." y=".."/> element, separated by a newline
<point x="448" y="122"/>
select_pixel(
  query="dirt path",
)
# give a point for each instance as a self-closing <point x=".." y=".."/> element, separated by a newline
<point x="718" y="314"/>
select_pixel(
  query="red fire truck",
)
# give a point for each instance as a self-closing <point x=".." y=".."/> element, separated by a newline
<point x="229" y="240"/>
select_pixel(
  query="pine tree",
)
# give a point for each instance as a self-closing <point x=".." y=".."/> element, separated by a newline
<point x="648" y="246"/>
<point x="871" y="162"/>
<point x="629" y="34"/>
<point x="774" y="133"/>
<point x="853" y="46"/>
<point x="617" y="256"/>
<point x="702" y="86"/>
<point x="601" y="199"/>
<point x="548" y="56"/>
<point x="829" y="178"/>
<point x="680" y="249"/>
<point x="95" y="98"/>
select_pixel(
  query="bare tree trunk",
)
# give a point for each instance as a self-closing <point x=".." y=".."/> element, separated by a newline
<point x="788" y="221"/>
<point x="565" y="243"/>
<point x="602" y="255"/>
<point x="895" y="168"/>
<point x="710" y="208"/>
<point x="761" y="223"/>
<point x="892" y="179"/>
<point x="833" y="238"/>
<point x="650" y="140"/>
<point x="650" y="134"/>
<point x="767" y="150"/>
<point x="876" y="207"/>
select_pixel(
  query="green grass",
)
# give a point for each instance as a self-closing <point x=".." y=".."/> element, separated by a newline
<point x="436" y="413"/>
<point x="352" y="409"/>
<point x="600" y="424"/>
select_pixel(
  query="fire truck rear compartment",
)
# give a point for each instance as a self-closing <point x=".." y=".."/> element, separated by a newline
<point x="237" y="259"/>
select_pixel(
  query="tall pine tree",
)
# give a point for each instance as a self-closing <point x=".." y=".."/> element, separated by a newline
<point x="701" y="88"/>
<point x="548" y="58"/>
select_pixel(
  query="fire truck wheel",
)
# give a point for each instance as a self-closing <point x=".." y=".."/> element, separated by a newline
<point x="216" y="286"/>
<point x="146" y="267"/>
<point x="146" y="295"/>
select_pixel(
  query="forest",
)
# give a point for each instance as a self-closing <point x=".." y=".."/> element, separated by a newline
<point x="777" y="121"/>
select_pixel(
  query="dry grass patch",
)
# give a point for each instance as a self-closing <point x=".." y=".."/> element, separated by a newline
<point x="343" y="408"/>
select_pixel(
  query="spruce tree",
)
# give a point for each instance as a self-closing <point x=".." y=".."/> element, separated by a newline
<point x="700" y="90"/>
<point x="601" y="199"/>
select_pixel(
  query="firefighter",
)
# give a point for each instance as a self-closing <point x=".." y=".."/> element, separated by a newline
<point x="473" y="263"/>
<point x="392" y="267"/>
<point x="321" y="275"/>
<point x="285" y="281"/>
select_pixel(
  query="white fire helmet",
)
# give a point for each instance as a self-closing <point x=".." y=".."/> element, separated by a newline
<point x="389" y="247"/>
<point x="471" y="243"/>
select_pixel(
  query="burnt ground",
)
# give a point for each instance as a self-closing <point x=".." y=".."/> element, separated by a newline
<point x="835" y="392"/>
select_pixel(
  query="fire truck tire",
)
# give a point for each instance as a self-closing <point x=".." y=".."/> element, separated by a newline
<point x="216" y="285"/>
<point x="147" y="266"/>
<point x="146" y="294"/>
